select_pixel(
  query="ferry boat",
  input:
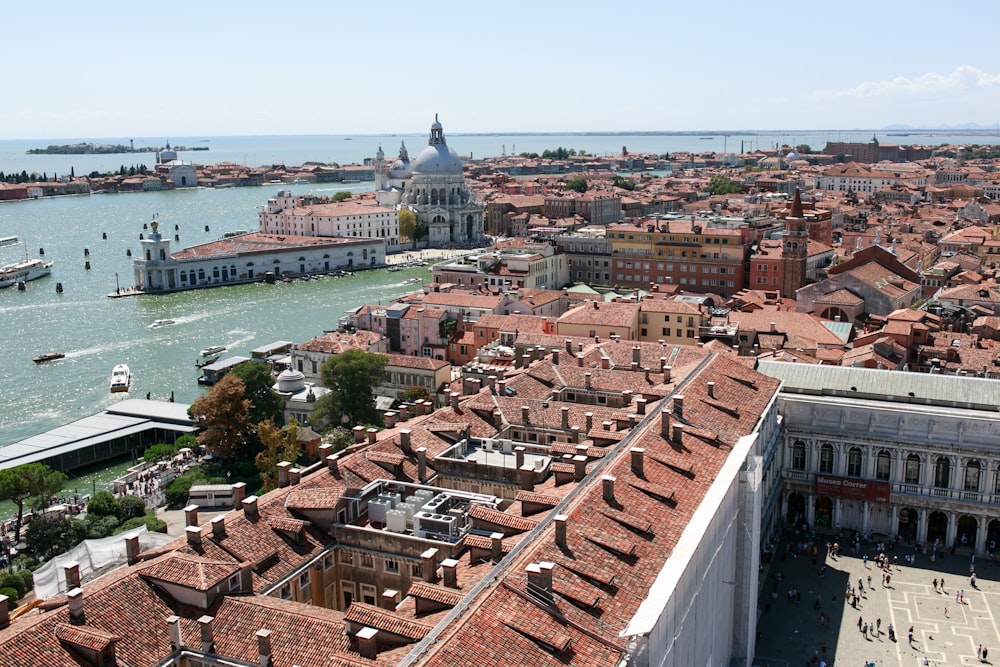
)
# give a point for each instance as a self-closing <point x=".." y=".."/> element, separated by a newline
<point x="22" y="270"/>
<point x="121" y="379"/>
<point x="212" y="350"/>
<point x="162" y="323"/>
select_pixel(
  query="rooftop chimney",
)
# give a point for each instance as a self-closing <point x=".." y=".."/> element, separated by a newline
<point x="246" y="577"/>
<point x="191" y="515"/>
<point x="605" y="363"/>
<point x="574" y="433"/>
<point x="589" y="417"/>
<point x="429" y="564"/>
<point x="586" y="380"/>
<point x="637" y="460"/>
<point x="390" y="598"/>
<point x="372" y="432"/>
<point x="207" y="636"/>
<point x="711" y="390"/>
<point x="555" y="357"/>
<point x="774" y="328"/>
<point x="404" y="440"/>
<point x="666" y="374"/>
<point x="4" y="611"/>
<point x="665" y="423"/>
<point x="525" y="360"/>
<point x="560" y="522"/>
<point x="389" y="418"/>
<point x="525" y="414"/>
<point x="454" y="401"/>
<point x="421" y="464"/>
<point x="250" y="507"/>
<point x="239" y="493"/>
<point x="449" y="570"/>
<point x="526" y="476"/>
<point x="540" y="579"/>
<point x="608" y="488"/>
<point x="679" y="405"/>
<point x="76" y="615"/>
<point x="640" y="405"/>
<point x="333" y="465"/>
<point x="679" y="433"/>
<point x="491" y="380"/>
<point x="519" y="456"/>
<point x="496" y="547"/>
<point x="663" y="363"/>
<point x="564" y="413"/>
<point x="359" y="433"/>
<point x="502" y="387"/>
<point x="283" y="473"/>
<point x="569" y="345"/>
<point x="174" y="629"/>
<point x="132" y="549"/>
<point x="636" y="354"/>
<point x="368" y="643"/>
<point x="324" y="451"/>
<point x="294" y="475"/>
<point x="579" y="359"/>
<point x="72" y="573"/>
<point x="219" y="526"/>
<point x="579" y="467"/>
<point x="264" y="648"/>
<point x="193" y="535"/>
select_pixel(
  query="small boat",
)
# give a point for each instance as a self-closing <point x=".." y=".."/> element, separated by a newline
<point x="51" y="356"/>
<point x="121" y="379"/>
<point x="300" y="181"/>
<point x="212" y="350"/>
<point x="162" y="323"/>
<point x="411" y="281"/>
<point x="395" y="268"/>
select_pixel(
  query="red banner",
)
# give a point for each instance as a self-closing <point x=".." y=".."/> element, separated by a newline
<point x="857" y="489"/>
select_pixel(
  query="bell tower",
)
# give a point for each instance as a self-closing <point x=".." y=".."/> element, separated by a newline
<point x="795" y="249"/>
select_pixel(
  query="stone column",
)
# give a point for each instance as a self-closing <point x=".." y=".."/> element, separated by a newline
<point x="893" y="519"/>
<point x="837" y="514"/>
<point x="865" y="507"/>
<point x="952" y="529"/>
<point x="922" y="524"/>
<point x="981" y="541"/>
<point x="810" y="508"/>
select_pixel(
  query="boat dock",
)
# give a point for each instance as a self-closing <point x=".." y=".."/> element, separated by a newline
<point x="129" y="426"/>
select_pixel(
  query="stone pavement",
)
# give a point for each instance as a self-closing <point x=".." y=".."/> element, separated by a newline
<point x="945" y="631"/>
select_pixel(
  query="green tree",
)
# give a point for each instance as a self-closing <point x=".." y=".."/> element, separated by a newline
<point x="351" y="377"/>
<point x="103" y="503"/>
<point x="576" y="184"/>
<point x="224" y="416"/>
<point x="48" y="536"/>
<point x="160" y="452"/>
<point x="623" y="183"/>
<point x="265" y="402"/>
<point x="341" y="196"/>
<point x="32" y="483"/>
<point x="417" y="392"/>
<point x="131" y="507"/>
<point x="341" y="438"/>
<point x="408" y="226"/>
<point x="278" y="444"/>
<point x="719" y="184"/>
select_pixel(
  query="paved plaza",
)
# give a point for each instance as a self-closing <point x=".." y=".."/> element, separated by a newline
<point x="945" y="631"/>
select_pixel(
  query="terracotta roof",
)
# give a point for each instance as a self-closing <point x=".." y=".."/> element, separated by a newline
<point x="190" y="572"/>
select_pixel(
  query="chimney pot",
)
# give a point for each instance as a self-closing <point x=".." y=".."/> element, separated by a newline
<point x="389" y="598"/>
<point x="250" y="507"/>
<point x="372" y="432"/>
<point x="429" y="562"/>
<point x="174" y="628"/>
<point x="72" y="573"/>
<point x="679" y="405"/>
<point x="359" y="433"/>
<point x="638" y="453"/>
<point x="239" y="493"/>
<point x="76" y="612"/>
<point x="283" y="473"/>
<point x="496" y="547"/>
<point x="526" y="475"/>
<point x="368" y="643"/>
<point x="264" y="647"/>
<point x="207" y="636"/>
<point x="422" y="464"/>
<point x="560" y="522"/>
<point x="449" y="569"/>
<point x="132" y="549"/>
<point x="608" y="488"/>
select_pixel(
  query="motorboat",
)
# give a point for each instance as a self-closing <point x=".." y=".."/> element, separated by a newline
<point x="22" y="270"/>
<point x="121" y="379"/>
<point x="162" y="323"/>
<point x="212" y="350"/>
<point x="50" y="356"/>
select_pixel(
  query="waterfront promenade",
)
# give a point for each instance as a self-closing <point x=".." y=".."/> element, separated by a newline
<point x="945" y="631"/>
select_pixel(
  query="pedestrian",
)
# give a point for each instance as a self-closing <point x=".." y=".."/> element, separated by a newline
<point x="909" y="635"/>
<point x="957" y="594"/>
<point x="942" y="584"/>
<point x="864" y="630"/>
<point x="864" y="559"/>
<point x="878" y="625"/>
<point x="984" y="654"/>
<point x="869" y="582"/>
<point x="888" y="578"/>
<point x="935" y="585"/>
<point x="979" y="652"/>
<point x="859" y="623"/>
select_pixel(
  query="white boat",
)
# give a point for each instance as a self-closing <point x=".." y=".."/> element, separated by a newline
<point x="121" y="379"/>
<point x="22" y="270"/>
<point x="162" y="323"/>
<point x="212" y="350"/>
<point x="300" y="181"/>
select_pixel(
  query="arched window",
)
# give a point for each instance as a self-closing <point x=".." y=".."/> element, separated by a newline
<point x="826" y="459"/>
<point x="942" y="472"/>
<point x="912" y="469"/>
<point x="973" y="472"/>
<point x="854" y="462"/>
<point x="799" y="455"/>
<point x="883" y="466"/>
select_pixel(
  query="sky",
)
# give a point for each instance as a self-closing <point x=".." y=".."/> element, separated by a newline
<point x="218" y="67"/>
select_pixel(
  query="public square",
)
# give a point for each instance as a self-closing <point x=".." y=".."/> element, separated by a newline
<point x="945" y="631"/>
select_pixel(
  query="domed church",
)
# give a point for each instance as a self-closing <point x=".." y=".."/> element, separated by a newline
<point x="433" y="187"/>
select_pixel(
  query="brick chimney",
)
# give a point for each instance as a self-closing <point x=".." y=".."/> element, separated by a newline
<point x="333" y="465"/>
<point x="359" y="433"/>
<point x="191" y="515"/>
<point x="540" y="579"/>
<point x="294" y="475"/>
<point x="579" y="467"/>
<point x="502" y="387"/>
<point x="239" y="493"/>
<point x="525" y="415"/>
<point x="679" y="405"/>
<point x="475" y="386"/>
<point x="565" y="417"/>
<point x="246" y="577"/>
<point x="589" y="416"/>
<point x="636" y="354"/>
<point x="389" y="418"/>
<point x="665" y="423"/>
<point x="638" y="454"/>
<point x="569" y="346"/>
<point x="525" y="360"/>
<point x="555" y="357"/>
<point x="324" y="451"/>
<point x="193" y="535"/>
<point x="526" y="477"/>
<point x="76" y="613"/>
<point x="250" y="507"/>
<point x="72" y="573"/>
<point x="219" y="526"/>
<point x="586" y="379"/>
<point x="372" y="433"/>
<point x="491" y="381"/>
<point x="496" y="547"/>
<point x="207" y="635"/>
<point x="579" y="359"/>
<point x="132" y="549"/>
<point x="174" y="630"/>
<point x="667" y="370"/>
<point x="421" y="464"/>
<point x="605" y="363"/>
<point x="608" y="488"/>
<point x="4" y="611"/>
<point x="428" y="561"/>
<point x="404" y="440"/>
<point x="449" y="568"/>
<point x="574" y="434"/>
<point x="454" y="396"/>
<point x="679" y="433"/>
<point x="264" y="648"/>
<point x="390" y="599"/>
<point x="560" y="523"/>
<point x="519" y="456"/>
<point x="640" y="405"/>
<point x="711" y="390"/>
<point x="283" y="473"/>
<point x="368" y="643"/>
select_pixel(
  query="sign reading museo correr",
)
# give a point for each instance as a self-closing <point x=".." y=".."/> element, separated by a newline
<point x="858" y="489"/>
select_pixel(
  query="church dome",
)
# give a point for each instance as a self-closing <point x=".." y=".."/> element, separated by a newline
<point x="291" y="381"/>
<point x="438" y="159"/>
<point x="401" y="169"/>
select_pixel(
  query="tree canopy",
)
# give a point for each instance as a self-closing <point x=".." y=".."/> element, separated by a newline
<point x="719" y="184"/>
<point x="223" y="414"/>
<point x="351" y="377"/>
<point x="623" y="183"/>
<point x="576" y="184"/>
<point x="410" y="228"/>
<point x="32" y="483"/>
<point x="265" y="403"/>
<point x="341" y="196"/>
<point x="277" y="445"/>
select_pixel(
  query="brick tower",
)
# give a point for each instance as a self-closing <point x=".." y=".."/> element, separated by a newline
<point x="795" y="250"/>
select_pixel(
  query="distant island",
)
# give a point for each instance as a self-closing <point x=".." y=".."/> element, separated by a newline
<point x="99" y="149"/>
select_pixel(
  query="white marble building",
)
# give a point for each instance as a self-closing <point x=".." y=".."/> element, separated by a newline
<point x="912" y="455"/>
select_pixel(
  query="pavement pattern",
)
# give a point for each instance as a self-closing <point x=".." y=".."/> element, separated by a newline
<point x="949" y="622"/>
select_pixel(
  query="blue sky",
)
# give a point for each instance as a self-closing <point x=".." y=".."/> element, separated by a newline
<point x="115" y="69"/>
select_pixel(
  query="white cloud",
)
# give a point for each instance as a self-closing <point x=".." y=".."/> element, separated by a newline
<point x="962" y="79"/>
